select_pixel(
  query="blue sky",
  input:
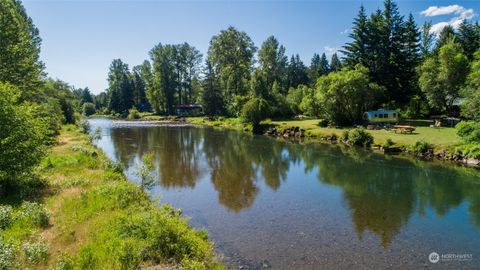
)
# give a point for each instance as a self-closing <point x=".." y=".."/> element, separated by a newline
<point x="81" y="38"/>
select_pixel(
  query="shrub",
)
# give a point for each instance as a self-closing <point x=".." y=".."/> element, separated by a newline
<point x="7" y="255"/>
<point x="323" y="123"/>
<point x="65" y="262"/>
<point x="255" y="110"/>
<point x="5" y="216"/>
<point x="133" y="114"/>
<point x="35" y="252"/>
<point x="345" y="135"/>
<point x="360" y="137"/>
<point x="469" y="131"/>
<point x="22" y="138"/>
<point x="88" y="109"/>
<point x="388" y="143"/>
<point x="420" y="146"/>
<point x="34" y="213"/>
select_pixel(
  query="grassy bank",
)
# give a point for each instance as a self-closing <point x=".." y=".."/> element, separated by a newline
<point x="440" y="137"/>
<point x="90" y="217"/>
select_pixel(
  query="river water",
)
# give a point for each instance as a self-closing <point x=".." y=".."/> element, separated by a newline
<point x="271" y="204"/>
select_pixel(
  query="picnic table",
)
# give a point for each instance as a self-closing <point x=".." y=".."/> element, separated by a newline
<point x="403" y="129"/>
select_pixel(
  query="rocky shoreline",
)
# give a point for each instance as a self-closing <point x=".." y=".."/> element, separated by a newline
<point x="296" y="133"/>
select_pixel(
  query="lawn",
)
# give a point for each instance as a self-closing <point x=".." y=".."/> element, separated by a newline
<point x="438" y="136"/>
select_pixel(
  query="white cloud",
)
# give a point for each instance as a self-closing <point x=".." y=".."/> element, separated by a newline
<point x="330" y="50"/>
<point x="460" y="13"/>
<point x="346" y="31"/>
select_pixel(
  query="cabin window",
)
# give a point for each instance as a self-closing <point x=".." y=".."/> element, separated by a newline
<point x="385" y="116"/>
<point x="394" y="115"/>
<point x="380" y="116"/>
<point x="375" y="115"/>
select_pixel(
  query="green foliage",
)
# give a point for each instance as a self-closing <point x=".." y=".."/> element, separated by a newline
<point x="231" y="56"/>
<point x="8" y="253"/>
<point x="294" y="98"/>
<point x="22" y="138"/>
<point x="344" y="96"/>
<point x="255" y="110"/>
<point x="120" y="90"/>
<point x="388" y="143"/>
<point x="442" y="75"/>
<point x="133" y="114"/>
<point x="173" y="78"/>
<point x="387" y="45"/>
<point x="35" y="252"/>
<point x="88" y="109"/>
<point x="471" y="104"/>
<point x="33" y="213"/>
<point x="65" y="262"/>
<point x="323" y="123"/>
<point x="6" y="216"/>
<point x="20" y="50"/>
<point x="420" y="147"/>
<point x="145" y="171"/>
<point x="310" y="104"/>
<point x="469" y="131"/>
<point x="359" y="137"/>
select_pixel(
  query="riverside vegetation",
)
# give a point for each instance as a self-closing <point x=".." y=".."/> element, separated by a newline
<point x="389" y="62"/>
<point x="88" y="216"/>
<point x="63" y="203"/>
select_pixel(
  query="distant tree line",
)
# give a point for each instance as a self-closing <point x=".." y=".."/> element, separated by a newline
<point x="389" y="63"/>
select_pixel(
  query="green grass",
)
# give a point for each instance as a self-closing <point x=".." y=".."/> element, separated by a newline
<point x="436" y="136"/>
<point x="90" y="217"/>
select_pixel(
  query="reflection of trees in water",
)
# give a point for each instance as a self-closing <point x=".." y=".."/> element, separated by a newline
<point x="177" y="152"/>
<point x="381" y="193"/>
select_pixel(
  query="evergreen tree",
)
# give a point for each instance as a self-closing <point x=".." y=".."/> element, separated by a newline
<point x="296" y="72"/>
<point x="426" y="40"/>
<point x="20" y="42"/>
<point x="314" y="67"/>
<point x="355" y="52"/>
<point x="388" y="47"/>
<point x="446" y="35"/>
<point x="335" y="64"/>
<point x="469" y="37"/>
<point x="324" y="67"/>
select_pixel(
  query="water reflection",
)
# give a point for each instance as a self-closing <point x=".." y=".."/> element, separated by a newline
<point x="380" y="193"/>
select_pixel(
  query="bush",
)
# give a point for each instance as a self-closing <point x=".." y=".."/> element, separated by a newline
<point x="22" y="138"/>
<point x="35" y="252"/>
<point x="5" y="216"/>
<point x="255" y="110"/>
<point x="388" y="143"/>
<point x="133" y="114"/>
<point x="65" y="262"/>
<point x="469" y="131"/>
<point x="34" y="213"/>
<point x="420" y="146"/>
<point x="8" y="253"/>
<point x="88" y="109"/>
<point x="323" y="123"/>
<point x="359" y="137"/>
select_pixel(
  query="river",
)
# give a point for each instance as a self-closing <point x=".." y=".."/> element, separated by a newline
<point x="271" y="204"/>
